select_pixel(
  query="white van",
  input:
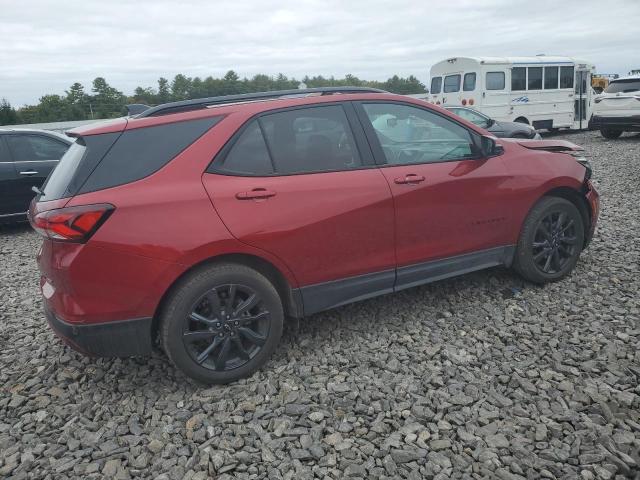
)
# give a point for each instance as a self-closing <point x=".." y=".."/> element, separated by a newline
<point x="543" y="91"/>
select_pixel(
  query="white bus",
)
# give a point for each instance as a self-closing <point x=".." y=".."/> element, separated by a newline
<point x="543" y="91"/>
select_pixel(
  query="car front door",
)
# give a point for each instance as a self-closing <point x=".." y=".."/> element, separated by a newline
<point x="302" y="185"/>
<point x="34" y="157"/>
<point x="9" y="189"/>
<point x="449" y="201"/>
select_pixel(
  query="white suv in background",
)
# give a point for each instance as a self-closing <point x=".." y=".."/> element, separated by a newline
<point x="617" y="109"/>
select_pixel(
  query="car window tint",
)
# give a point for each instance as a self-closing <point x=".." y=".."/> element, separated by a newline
<point x="451" y="83"/>
<point x="566" y="77"/>
<point x="310" y="140"/>
<point x="4" y="152"/>
<point x="550" y="78"/>
<point x="34" y="147"/>
<point x="249" y="154"/>
<point x="436" y="85"/>
<point x="495" y="80"/>
<point x="469" y="83"/>
<point x="518" y="78"/>
<point x="411" y="135"/>
<point x="534" y="81"/>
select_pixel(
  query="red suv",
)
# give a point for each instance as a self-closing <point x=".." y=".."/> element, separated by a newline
<point x="197" y="226"/>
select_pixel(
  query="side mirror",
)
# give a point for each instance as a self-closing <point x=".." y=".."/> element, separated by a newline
<point x="489" y="147"/>
<point x="490" y="122"/>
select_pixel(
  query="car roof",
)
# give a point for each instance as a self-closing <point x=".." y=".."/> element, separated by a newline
<point x="60" y="136"/>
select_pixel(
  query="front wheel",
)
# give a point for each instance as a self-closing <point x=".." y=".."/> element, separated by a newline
<point x="221" y="323"/>
<point x="611" y="134"/>
<point x="550" y="242"/>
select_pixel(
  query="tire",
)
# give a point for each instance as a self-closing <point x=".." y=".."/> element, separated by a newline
<point x="203" y="320"/>
<point x="534" y="249"/>
<point x="610" y="134"/>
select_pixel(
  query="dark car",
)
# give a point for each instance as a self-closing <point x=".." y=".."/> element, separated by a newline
<point x="198" y="226"/>
<point x="26" y="159"/>
<point x="499" y="129"/>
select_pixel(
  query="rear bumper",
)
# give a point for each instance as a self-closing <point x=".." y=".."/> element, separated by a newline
<point x="124" y="338"/>
<point x="629" y="124"/>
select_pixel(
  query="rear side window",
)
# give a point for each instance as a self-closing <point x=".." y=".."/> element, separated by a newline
<point x="534" y="81"/>
<point x="624" y="86"/>
<point x="451" y="83"/>
<point x="436" y="85"/>
<point x="304" y="140"/>
<point x="518" y="78"/>
<point x="25" y="148"/>
<point x="139" y="152"/>
<point x="495" y="80"/>
<point x="566" y="77"/>
<point x="249" y="154"/>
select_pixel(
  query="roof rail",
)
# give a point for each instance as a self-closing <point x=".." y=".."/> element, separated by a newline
<point x="186" y="105"/>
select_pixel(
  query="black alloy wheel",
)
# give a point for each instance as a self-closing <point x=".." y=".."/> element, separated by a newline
<point x="226" y="327"/>
<point x="555" y="242"/>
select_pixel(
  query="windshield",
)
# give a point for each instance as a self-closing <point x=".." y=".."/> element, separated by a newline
<point x="472" y="116"/>
<point x="624" y="86"/>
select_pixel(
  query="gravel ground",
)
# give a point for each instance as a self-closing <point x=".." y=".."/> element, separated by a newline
<point x="484" y="376"/>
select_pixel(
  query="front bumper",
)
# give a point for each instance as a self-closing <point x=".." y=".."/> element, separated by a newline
<point x="593" y="198"/>
<point x="124" y="338"/>
<point x="628" y="124"/>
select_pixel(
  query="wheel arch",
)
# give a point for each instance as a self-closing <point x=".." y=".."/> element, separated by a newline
<point x="291" y="298"/>
<point x="522" y="119"/>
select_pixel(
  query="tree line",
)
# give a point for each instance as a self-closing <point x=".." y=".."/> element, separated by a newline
<point x="105" y="101"/>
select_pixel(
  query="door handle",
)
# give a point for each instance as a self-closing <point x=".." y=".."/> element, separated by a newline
<point x="28" y="173"/>
<point x="255" y="194"/>
<point x="409" y="179"/>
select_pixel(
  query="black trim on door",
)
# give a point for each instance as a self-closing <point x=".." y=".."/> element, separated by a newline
<point x="324" y="296"/>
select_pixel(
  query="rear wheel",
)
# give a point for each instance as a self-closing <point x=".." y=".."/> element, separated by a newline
<point x="222" y="323"/>
<point x="608" y="133"/>
<point x="550" y="241"/>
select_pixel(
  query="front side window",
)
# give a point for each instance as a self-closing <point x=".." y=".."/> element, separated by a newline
<point x="534" y="81"/>
<point x="34" y="147"/>
<point x="410" y="135"/>
<point x="313" y="139"/>
<point x="550" y="78"/>
<point x="566" y="77"/>
<point x="469" y="83"/>
<point x="436" y="85"/>
<point x="471" y="116"/>
<point x="495" y="80"/>
<point x="518" y="78"/>
<point x="451" y="83"/>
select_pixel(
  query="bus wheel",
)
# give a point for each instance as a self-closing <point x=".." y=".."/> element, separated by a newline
<point x="522" y="120"/>
<point x="607" y="133"/>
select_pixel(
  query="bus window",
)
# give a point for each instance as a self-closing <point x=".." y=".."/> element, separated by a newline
<point x="451" y="83"/>
<point x="469" y="84"/>
<point x="436" y="85"/>
<point x="566" y="77"/>
<point x="550" y="78"/>
<point x="535" y="78"/>
<point x="495" y="80"/>
<point x="518" y="78"/>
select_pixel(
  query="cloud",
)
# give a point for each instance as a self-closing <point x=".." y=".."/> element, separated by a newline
<point x="46" y="46"/>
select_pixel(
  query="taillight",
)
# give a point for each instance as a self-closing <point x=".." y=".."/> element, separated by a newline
<point x="471" y="102"/>
<point x="464" y="101"/>
<point x="72" y="224"/>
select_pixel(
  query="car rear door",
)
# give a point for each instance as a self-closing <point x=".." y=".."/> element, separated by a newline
<point x="34" y="157"/>
<point x="301" y="184"/>
<point x="9" y="186"/>
<point x="449" y="202"/>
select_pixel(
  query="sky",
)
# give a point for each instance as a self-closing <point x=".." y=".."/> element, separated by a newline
<point x="45" y="46"/>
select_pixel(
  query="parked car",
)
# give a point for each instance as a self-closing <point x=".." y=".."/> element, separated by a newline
<point x="617" y="109"/>
<point x="26" y="159"/>
<point x="198" y="225"/>
<point x="499" y="129"/>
